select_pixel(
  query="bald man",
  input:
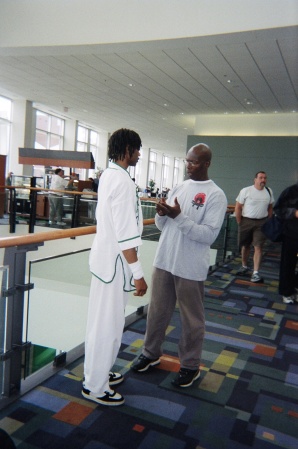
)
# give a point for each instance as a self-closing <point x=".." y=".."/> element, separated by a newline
<point x="190" y="221"/>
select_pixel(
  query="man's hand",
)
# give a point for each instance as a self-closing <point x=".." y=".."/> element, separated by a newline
<point x="141" y="287"/>
<point x="163" y="208"/>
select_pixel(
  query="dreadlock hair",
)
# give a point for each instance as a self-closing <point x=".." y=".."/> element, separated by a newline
<point x="121" y="140"/>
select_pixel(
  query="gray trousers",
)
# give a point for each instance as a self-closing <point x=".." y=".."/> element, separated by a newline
<point x="166" y="291"/>
<point x="56" y="208"/>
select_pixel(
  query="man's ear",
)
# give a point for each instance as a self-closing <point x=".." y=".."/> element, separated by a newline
<point x="127" y="151"/>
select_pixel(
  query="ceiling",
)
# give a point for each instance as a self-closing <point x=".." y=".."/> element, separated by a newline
<point x="158" y="88"/>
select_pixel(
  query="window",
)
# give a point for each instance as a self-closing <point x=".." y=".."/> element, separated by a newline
<point x="87" y="140"/>
<point x="5" y="125"/>
<point x="135" y="171"/>
<point x="176" y="172"/>
<point x="49" y="131"/>
<point x="165" y="171"/>
<point x="151" y="166"/>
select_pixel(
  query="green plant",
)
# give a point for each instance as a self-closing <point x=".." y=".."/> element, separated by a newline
<point x="152" y="185"/>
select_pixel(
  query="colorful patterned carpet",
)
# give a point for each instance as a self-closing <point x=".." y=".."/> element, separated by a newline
<point x="246" y="397"/>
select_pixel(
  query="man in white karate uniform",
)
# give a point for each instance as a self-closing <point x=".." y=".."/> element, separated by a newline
<point x="115" y="268"/>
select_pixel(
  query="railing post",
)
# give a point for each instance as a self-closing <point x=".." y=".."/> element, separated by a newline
<point x="33" y="203"/>
<point x="15" y="259"/>
<point x="12" y="211"/>
<point x="75" y="211"/>
<point x="226" y="236"/>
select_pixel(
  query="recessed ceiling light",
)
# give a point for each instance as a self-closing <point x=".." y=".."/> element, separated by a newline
<point x="165" y="104"/>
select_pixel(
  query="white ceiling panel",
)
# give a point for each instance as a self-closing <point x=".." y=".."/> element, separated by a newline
<point x="157" y="88"/>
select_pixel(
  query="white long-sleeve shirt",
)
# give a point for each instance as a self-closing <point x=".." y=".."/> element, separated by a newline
<point x="119" y="225"/>
<point x="184" y="245"/>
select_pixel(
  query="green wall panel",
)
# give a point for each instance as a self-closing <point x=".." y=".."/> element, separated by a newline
<point x="236" y="160"/>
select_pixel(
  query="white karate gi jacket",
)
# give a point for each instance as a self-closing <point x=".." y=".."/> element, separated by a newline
<point x="119" y="226"/>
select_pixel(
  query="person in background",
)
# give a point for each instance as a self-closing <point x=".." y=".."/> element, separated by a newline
<point x="115" y="268"/>
<point x="190" y="221"/>
<point x="8" y="182"/>
<point x="56" y="198"/>
<point x="8" y="179"/>
<point x="286" y="208"/>
<point x="254" y="205"/>
<point x="96" y="181"/>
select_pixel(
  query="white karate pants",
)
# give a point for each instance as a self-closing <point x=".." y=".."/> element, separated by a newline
<point x="105" y="323"/>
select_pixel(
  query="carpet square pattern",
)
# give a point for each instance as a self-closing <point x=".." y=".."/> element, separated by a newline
<point x="246" y="396"/>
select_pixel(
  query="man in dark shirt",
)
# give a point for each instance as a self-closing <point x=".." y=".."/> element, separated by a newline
<point x="286" y="208"/>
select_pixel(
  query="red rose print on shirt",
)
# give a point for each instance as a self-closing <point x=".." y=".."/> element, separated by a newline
<point x="199" y="200"/>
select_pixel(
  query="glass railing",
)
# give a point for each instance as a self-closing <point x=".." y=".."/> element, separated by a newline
<point x="55" y="310"/>
<point x="78" y="209"/>
<point x="57" y="306"/>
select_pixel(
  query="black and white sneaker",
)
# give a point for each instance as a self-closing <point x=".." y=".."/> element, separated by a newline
<point x="108" y="398"/>
<point x="115" y="378"/>
<point x="186" y="377"/>
<point x="289" y="299"/>
<point x="256" y="278"/>
<point x="143" y="363"/>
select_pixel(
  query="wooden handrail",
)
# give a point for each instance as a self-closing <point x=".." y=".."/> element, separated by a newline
<point x="26" y="239"/>
<point x="41" y="189"/>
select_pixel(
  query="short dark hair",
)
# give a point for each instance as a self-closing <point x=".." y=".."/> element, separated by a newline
<point x="256" y="175"/>
<point x="58" y="170"/>
<point x="121" y="140"/>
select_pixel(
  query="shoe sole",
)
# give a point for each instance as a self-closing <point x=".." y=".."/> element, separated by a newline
<point x="154" y="363"/>
<point x="99" y="401"/>
<point x="258" y="282"/>
<point x="190" y="383"/>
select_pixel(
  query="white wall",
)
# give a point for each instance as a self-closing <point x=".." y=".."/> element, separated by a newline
<point x="37" y="23"/>
<point x="247" y="125"/>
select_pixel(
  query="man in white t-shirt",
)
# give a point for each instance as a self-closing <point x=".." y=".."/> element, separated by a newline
<point x="56" y="198"/>
<point x="253" y="208"/>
